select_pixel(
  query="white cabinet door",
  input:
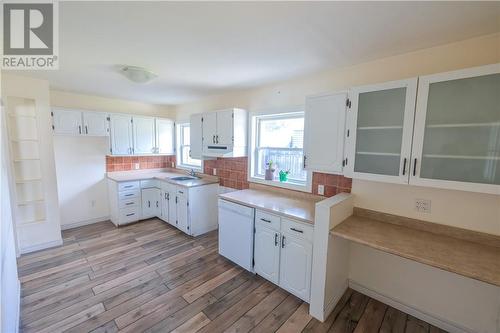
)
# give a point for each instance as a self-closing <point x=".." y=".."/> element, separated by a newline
<point x="150" y="202"/>
<point x="324" y="126"/>
<point x="295" y="266"/>
<point x="267" y="253"/>
<point x="456" y="143"/>
<point x="164" y="136"/>
<point x="95" y="124"/>
<point x="183" y="214"/>
<point x="224" y="134"/>
<point x="144" y="135"/>
<point x="209" y="128"/>
<point x="172" y="207"/>
<point x="164" y="205"/>
<point x="196" y="136"/>
<point x="121" y="134"/>
<point x="68" y="122"/>
<point x="381" y="129"/>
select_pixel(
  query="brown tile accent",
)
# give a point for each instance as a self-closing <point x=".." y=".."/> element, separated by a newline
<point x="124" y="163"/>
<point x="232" y="172"/>
<point x="334" y="184"/>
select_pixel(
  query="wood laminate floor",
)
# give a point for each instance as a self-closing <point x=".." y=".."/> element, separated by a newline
<point x="149" y="277"/>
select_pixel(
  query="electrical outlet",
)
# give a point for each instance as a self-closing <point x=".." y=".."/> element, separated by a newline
<point x="173" y="165"/>
<point x="321" y="189"/>
<point x="423" y="205"/>
<point x="136" y="166"/>
<point x="214" y="172"/>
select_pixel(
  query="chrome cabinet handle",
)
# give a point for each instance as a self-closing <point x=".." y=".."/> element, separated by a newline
<point x="129" y="203"/>
<point x="414" y="167"/>
<point x="79" y="129"/>
<point x="128" y="186"/>
<point x="304" y="162"/>
<point x="129" y="195"/>
<point x="86" y="130"/>
<point x="283" y="241"/>
<point x="217" y="138"/>
<point x="265" y="220"/>
<point x="404" y="166"/>
<point x="149" y="203"/>
<point x="275" y="239"/>
<point x="130" y="214"/>
<point x="297" y="230"/>
<point x="168" y="196"/>
<point x="157" y="204"/>
<point x="213" y="139"/>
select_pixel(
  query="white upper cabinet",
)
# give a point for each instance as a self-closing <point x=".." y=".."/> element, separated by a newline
<point x="324" y="127"/>
<point x="224" y="134"/>
<point x="456" y="144"/>
<point x="164" y="136"/>
<point x="210" y="128"/>
<point x="95" y="124"/>
<point x="380" y="125"/>
<point x="121" y="134"/>
<point x="67" y="122"/>
<point x="196" y="136"/>
<point x="144" y="135"/>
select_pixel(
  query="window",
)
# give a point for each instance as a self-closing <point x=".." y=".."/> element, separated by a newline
<point x="183" y="148"/>
<point x="279" y="138"/>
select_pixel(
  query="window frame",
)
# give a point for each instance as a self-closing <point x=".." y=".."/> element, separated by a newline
<point x="253" y="138"/>
<point x="180" y="146"/>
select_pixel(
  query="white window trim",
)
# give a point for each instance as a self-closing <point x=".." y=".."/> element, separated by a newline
<point x="252" y="132"/>
<point x="179" y="145"/>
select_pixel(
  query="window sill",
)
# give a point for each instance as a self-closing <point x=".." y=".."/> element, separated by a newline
<point x="288" y="185"/>
<point x="189" y="167"/>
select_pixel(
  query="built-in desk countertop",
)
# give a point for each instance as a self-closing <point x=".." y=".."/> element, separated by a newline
<point x="467" y="253"/>
<point x="274" y="202"/>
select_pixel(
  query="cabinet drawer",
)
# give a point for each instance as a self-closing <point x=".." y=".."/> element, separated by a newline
<point x="182" y="192"/>
<point x="267" y="220"/>
<point x="127" y="186"/>
<point x="297" y="229"/>
<point x="129" y="194"/>
<point x="148" y="183"/>
<point x="129" y="214"/>
<point x="129" y="202"/>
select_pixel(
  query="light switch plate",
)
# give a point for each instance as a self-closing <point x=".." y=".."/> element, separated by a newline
<point x="173" y="165"/>
<point x="136" y="166"/>
<point x="423" y="205"/>
<point x="321" y="189"/>
<point x="214" y="172"/>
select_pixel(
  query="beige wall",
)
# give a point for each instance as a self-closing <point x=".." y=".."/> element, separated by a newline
<point x="105" y="104"/>
<point x="463" y="209"/>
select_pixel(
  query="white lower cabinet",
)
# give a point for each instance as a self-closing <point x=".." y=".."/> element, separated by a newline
<point x="283" y="253"/>
<point x="267" y="253"/>
<point x="150" y="202"/>
<point x="295" y="266"/>
<point x="192" y="210"/>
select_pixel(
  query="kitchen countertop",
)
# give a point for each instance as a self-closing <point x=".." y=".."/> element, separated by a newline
<point x="476" y="260"/>
<point x="274" y="202"/>
<point x="160" y="174"/>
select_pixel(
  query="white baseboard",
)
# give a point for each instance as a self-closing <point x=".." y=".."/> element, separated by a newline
<point x="82" y="223"/>
<point x="41" y="246"/>
<point x="417" y="313"/>
<point x="18" y="307"/>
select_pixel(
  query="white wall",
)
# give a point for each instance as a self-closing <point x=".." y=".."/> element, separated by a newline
<point x="81" y="162"/>
<point x="80" y="169"/>
<point x="9" y="282"/>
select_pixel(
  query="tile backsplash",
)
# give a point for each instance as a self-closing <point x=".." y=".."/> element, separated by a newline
<point x="124" y="163"/>
<point x="233" y="173"/>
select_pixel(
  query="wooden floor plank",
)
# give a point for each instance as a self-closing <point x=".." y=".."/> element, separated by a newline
<point x="150" y="277"/>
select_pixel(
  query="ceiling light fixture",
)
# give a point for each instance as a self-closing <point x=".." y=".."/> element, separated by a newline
<point x="136" y="74"/>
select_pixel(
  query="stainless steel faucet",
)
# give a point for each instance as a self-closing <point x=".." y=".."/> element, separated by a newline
<point x="192" y="173"/>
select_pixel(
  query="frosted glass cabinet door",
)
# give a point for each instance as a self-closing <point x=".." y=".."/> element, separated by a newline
<point x="457" y="130"/>
<point x="380" y="127"/>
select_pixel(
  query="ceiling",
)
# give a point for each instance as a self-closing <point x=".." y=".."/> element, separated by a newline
<point x="202" y="48"/>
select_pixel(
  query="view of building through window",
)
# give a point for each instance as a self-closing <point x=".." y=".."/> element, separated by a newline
<point x="280" y="140"/>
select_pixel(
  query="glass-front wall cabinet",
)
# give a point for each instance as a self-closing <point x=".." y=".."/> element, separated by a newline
<point x="457" y="130"/>
<point x="380" y="130"/>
